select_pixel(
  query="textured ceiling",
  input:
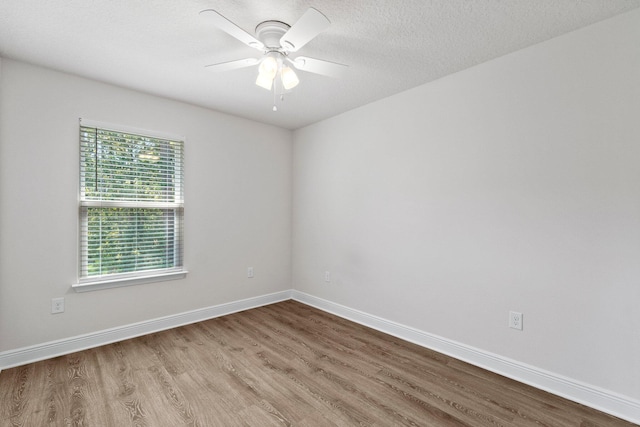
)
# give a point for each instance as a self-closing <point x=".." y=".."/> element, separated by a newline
<point x="162" y="46"/>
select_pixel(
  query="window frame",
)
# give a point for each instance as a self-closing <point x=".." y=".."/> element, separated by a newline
<point x="88" y="282"/>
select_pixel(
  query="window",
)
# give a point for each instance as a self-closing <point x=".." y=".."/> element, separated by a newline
<point x="131" y="207"/>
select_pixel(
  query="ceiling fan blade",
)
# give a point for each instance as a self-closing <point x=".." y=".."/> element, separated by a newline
<point x="308" y="26"/>
<point x="232" y="29"/>
<point x="319" y="66"/>
<point x="232" y="65"/>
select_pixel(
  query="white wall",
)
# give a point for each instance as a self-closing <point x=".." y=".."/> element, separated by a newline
<point x="513" y="185"/>
<point x="237" y="207"/>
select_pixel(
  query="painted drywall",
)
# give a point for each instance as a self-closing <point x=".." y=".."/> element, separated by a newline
<point x="512" y="185"/>
<point x="237" y="206"/>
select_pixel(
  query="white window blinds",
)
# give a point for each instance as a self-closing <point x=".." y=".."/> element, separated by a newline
<point x="131" y="204"/>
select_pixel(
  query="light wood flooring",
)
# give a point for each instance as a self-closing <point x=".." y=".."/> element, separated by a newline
<point x="285" y="364"/>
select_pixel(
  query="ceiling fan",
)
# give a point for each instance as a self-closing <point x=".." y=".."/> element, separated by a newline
<point x="277" y="40"/>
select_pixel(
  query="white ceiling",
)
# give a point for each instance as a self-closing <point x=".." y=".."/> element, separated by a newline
<point x="162" y="46"/>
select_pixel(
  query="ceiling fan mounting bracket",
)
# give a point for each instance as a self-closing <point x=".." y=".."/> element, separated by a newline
<point x="270" y="33"/>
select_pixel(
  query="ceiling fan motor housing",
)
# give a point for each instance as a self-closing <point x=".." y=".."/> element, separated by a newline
<point x="270" y="33"/>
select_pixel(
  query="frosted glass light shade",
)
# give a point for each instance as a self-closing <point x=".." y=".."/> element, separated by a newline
<point x="269" y="66"/>
<point x="264" y="81"/>
<point x="289" y="78"/>
<point x="267" y="72"/>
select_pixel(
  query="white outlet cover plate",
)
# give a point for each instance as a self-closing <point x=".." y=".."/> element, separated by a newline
<point x="57" y="305"/>
<point x="515" y="320"/>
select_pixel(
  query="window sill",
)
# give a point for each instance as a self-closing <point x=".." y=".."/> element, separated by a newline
<point x="127" y="281"/>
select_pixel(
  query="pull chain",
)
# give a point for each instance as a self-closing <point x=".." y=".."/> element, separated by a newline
<point x="274" y="97"/>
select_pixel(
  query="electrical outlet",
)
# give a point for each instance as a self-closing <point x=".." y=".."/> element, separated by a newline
<point x="57" y="305"/>
<point x="250" y="272"/>
<point x="515" y="320"/>
<point x="327" y="276"/>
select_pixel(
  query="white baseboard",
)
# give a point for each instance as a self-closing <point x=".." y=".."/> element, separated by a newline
<point x="22" y="356"/>
<point x="603" y="400"/>
<point x="594" y="397"/>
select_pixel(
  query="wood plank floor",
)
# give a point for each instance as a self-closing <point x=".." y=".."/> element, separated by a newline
<point x="284" y="364"/>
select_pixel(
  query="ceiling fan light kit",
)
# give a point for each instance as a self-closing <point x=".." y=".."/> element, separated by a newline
<point x="277" y="40"/>
<point x="271" y="66"/>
